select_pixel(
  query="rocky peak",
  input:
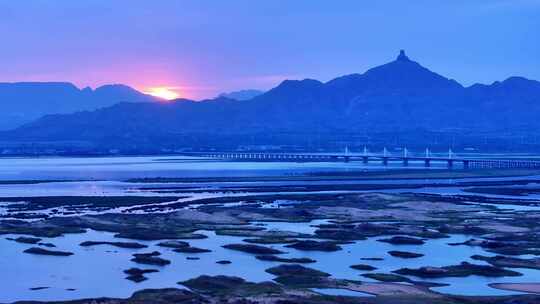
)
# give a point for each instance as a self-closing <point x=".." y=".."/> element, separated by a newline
<point x="402" y="56"/>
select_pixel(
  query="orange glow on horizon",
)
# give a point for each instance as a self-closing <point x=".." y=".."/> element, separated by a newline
<point x="166" y="93"/>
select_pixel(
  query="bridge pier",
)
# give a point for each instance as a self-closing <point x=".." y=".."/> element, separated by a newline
<point x="451" y="161"/>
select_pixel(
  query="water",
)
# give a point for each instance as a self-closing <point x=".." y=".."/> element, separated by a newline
<point x="98" y="271"/>
<point x="118" y="168"/>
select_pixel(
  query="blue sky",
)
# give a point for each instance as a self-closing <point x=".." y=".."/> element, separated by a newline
<point x="202" y="48"/>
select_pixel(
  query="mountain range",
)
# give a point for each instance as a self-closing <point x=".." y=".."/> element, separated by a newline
<point x="242" y="94"/>
<point x="398" y="103"/>
<point x="23" y="102"/>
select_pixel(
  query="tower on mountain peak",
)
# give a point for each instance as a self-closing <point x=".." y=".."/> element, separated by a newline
<point x="402" y="56"/>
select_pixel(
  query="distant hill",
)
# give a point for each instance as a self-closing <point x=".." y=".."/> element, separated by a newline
<point x="400" y="103"/>
<point x="242" y="94"/>
<point x="23" y="102"/>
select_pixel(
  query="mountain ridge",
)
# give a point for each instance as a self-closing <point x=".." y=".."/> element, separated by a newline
<point x="401" y="99"/>
<point x="242" y="94"/>
<point x="25" y="101"/>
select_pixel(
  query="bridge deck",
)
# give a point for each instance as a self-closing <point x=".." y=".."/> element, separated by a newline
<point x="384" y="158"/>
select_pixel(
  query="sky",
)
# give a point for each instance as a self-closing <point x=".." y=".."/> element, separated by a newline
<point x="199" y="49"/>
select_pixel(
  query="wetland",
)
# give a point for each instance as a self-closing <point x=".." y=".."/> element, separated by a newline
<point x="137" y="229"/>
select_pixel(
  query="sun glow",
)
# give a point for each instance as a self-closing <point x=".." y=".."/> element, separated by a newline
<point x="163" y="92"/>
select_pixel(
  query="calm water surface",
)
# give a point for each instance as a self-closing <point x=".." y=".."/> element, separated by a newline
<point x="98" y="271"/>
<point x="117" y="168"/>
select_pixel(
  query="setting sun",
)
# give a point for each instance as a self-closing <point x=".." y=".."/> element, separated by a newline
<point x="163" y="92"/>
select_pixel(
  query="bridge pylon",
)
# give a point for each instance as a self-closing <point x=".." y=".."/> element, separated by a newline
<point x="385" y="156"/>
<point x="450" y="158"/>
<point x="427" y="160"/>
<point x="405" y="157"/>
<point x="365" y="157"/>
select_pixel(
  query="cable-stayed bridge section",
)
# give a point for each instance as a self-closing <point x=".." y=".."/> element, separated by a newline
<point x="405" y="157"/>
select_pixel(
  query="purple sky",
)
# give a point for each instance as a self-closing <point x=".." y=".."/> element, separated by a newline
<point x="202" y="48"/>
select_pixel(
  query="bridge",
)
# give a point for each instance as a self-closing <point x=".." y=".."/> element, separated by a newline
<point x="384" y="158"/>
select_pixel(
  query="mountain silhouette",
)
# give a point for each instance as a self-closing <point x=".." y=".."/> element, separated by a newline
<point x="242" y="94"/>
<point x="23" y="102"/>
<point x="400" y="102"/>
